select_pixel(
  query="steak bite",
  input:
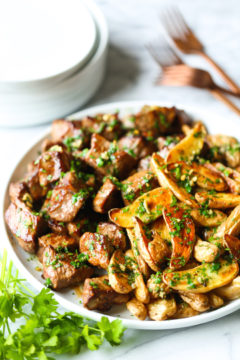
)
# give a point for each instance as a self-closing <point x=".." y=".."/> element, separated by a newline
<point x="63" y="269"/>
<point x="97" y="247"/>
<point x="58" y="227"/>
<point x="56" y="242"/>
<point x="107" y="159"/>
<point x="137" y="146"/>
<point x="32" y="180"/>
<point x="108" y="125"/>
<point x="25" y="225"/>
<point x="79" y="226"/>
<point x="138" y="184"/>
<point x="99" y="295"/>
<point x="67" y="198"/>
<point x="114" y="233"/>
<point x="19" y="193"/>
<point x="165" y="144"/>
<point x="51" y="164"/>
<point x="144" y="164"/>
<point x="106" y="197"/>
<point x="71" y="133"/>
<point x="153" y="121"/>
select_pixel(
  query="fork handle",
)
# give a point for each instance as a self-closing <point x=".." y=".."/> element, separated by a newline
<point x="218" y="95"/>
<point x="221" y="72"/>
<point x="226" y="91"/>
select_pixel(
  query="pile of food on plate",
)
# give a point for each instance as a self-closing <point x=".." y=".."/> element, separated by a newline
<point x="143" y="210"/>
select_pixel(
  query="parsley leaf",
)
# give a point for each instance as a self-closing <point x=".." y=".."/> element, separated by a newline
<point x="44" y="330"/>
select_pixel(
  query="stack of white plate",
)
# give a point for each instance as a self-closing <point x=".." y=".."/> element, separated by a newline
<point x="53" y="55"/>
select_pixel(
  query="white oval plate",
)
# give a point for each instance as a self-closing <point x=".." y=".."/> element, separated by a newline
<point x="41" y="40"/>
<point x="67" y="298"/>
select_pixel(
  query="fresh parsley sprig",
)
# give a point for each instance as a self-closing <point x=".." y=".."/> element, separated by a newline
<point x="44" y="330"/>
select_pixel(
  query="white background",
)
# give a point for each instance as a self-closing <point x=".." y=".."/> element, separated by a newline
<point x="130" y="76"/>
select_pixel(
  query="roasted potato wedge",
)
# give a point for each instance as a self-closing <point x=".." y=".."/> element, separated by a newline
<point x="190" y="146"/>
<point x="208" y="217"/>
<point x="199" y="302"/>
<point x="165" y="180"/>
<point x="143" y="266"/>
<point x="182" y="230"/>
<point x="141" y="290"/>
<point x="160" y="227"/>
<point x="156" y="287"/>
<point x="202" y="278"/>
<point x="231" y="176"/>
<point x="186" y="129"/>
<point x="159" y="250"/>
<point x="215" y="301"/>
<point x="162" y="309"/>
<point x="227" y="147"/>
<point x="143" y="243"/>
<point x="184" y="311"/>
<point x="147" y="207"/>
<point x="197" y="174"/>
<point x="230" y="291"/>
<point x="205" y="251"/>
<point x="137" y="309"/>
<point x="218" y="200"/>
<point x="118" y="276"/>
<point x="233" y="245"/>
<point x="231" y="225"/>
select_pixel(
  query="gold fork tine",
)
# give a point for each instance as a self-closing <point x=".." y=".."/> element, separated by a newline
<point x="164" y="17"/>
<point x="185" y="39"/>
<point x="174" y="21"/>
<point x="175" y="72"/>
<point x="180" y="20"/>
<point x="163" y="55"/>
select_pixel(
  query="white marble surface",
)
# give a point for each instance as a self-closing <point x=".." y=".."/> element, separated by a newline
<point x="130" y="76"/>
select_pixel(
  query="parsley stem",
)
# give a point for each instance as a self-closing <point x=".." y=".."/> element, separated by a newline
<point x="9" y="273"/>
<point x="8" y="327"/>
<point x="3" y="267"/>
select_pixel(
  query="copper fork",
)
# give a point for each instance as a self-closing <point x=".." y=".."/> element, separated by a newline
<point x="176" y="73"/>
<point x="186" y="41"/>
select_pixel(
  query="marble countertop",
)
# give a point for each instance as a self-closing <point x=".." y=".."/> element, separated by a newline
<point x="130" y="76"/>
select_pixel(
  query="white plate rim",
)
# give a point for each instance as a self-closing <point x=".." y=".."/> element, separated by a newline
<point x="65" y="71"/>
<point x="129" y="323"/>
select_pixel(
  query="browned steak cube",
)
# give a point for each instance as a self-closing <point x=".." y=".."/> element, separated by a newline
<point x="138" y="184"/>
<point x="52" y="164"/>
<point x="67" y="198"/>
<point x="144" y="164"/>
<point x="57" y="242"/>
<point x="25" y="225"/>
<point x="98" y="294"/>
<point x="58" y="227"/>
<point x="32" y="180"/>
<point x="107" y="159"/>
<point x="19" y="193"/>
<point x="165" y="144"/>
<point x="17" y="190"/>
<point x="106" y="197"/>
<point x="108" y="125"/>
<point x="98" y="248"/>
<point x="64" y="269"/>
<point x="73" y="134"/>
<point x="137" y="146"/>
<point x="114" y="233"/>
<point x="153" y="121"/>
<point x="79" y="226"/>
